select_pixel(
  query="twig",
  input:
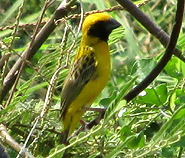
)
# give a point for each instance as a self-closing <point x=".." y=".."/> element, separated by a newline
<point x="3" y="60"/>
<point x="10" y="141"/>
<point x="45" y="107"/>
<point x="43" y="34"/>
<point x="166" y="57"/>
<point x="17" y="22"/>
<point x="159" y="67"/>
<point x="49" y="91"/>
<point x="155" y="30"/>
<point x="27" y="54"/>
<point x="17" y="125"/>
<point x="74" y="16"/>
<point x="77" y="34"/>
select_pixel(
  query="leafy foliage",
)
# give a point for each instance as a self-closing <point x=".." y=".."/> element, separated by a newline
<point x="152" y="124"/>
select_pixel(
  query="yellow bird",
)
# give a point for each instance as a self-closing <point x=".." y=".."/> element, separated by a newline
<point x="89" y="71"/>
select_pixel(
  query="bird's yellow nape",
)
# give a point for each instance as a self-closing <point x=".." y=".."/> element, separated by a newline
<point x="91" y="19"/>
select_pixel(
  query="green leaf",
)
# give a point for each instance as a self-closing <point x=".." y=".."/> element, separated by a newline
<point x="143" y="67"/>
<point x="180" y="143"/>
<point x="180" y="114"/>
<point x="106" y="101"/>
<point x="125" y="132"/>
<point x="180" y="96"/>
<point x="173" y="68"/>
<point x="119" y="147"/>
<point x="11" y="10"/>
<point x="115" y="106"/>
<point x="138" y="141"/>
<point x="58" y="155"/>
<point x="116" y="35"/>
<point x="157" y="95"/>
<point x="168" y="152"/>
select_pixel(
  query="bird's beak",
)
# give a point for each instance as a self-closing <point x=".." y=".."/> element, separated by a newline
<point x="112" y="24"/>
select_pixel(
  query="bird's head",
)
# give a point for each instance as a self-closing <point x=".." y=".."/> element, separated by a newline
<point x="99" y="25"/>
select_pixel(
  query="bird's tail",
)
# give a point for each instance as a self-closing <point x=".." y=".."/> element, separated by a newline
<point x="70" y="122"/>
<point x="63" y="137"/>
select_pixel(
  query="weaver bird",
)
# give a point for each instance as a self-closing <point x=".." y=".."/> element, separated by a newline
<point x="89" y="71"/>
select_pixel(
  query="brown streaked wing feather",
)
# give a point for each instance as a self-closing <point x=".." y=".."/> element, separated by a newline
<point x="79" y="75"/>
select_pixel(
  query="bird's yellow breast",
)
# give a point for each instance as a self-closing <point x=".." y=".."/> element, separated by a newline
<point x="93" y="88"/>
<point x="98" y="81"/>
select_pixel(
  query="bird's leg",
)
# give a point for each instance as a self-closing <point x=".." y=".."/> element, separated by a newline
<point x="94" y="122"/>
<point x="83" y="122"/>
<point x="82" y="128"/>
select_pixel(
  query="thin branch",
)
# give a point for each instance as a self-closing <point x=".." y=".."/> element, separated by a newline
<point x="3" y="60"/>
<point x="52" y="82"/>
<point x="169" y="50"/>
<point x="43" y="34"/>
<point x="52" y="130"/>
<point x="48" y="95"/>
<point x="26" y="56"/>
<point x="11" y="142"/>
<point x="73" y="16"/>
<point x="17" y="22"/>
<point x="155" y="30"/>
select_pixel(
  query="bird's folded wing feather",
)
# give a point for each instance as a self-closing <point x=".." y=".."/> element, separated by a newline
<point x="79" y="75"/>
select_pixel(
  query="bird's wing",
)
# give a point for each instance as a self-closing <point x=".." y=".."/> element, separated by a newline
<point x="82" y="69"/>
